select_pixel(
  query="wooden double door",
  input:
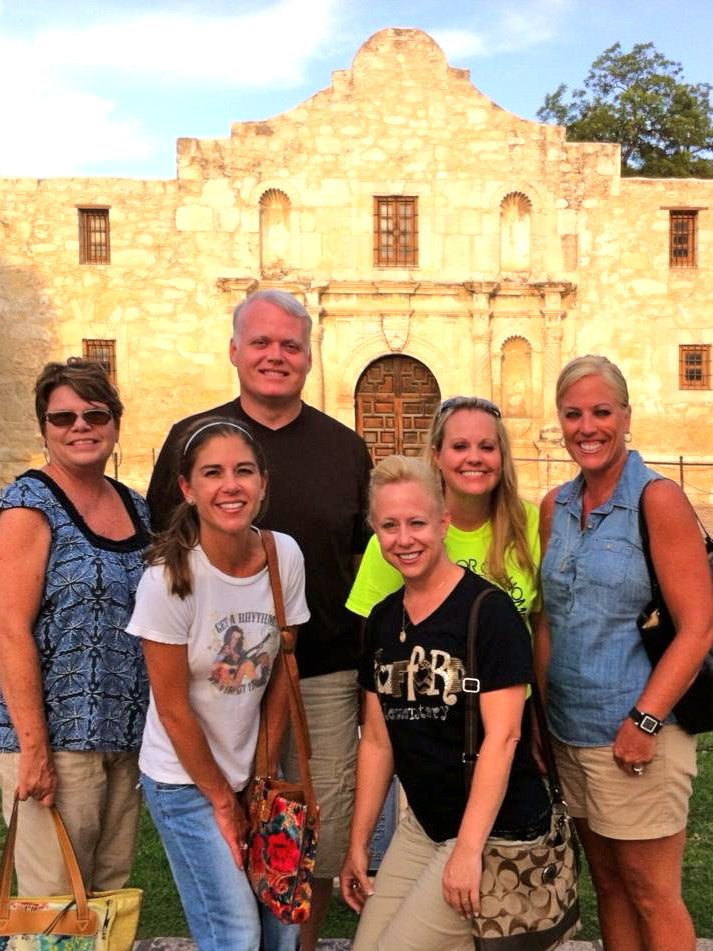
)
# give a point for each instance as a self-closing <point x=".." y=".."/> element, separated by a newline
<point x="395" y="399"/>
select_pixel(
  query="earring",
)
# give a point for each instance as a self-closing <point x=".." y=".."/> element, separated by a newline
<point x="561" y="442"/>
<point x="118" y="454"/>
<point x="627" y="437"/>
<point x="46" y="453"/>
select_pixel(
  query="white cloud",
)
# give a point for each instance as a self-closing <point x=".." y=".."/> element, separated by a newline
<point x="265" y="48"/>
<point x="55" y="119"/>
<point x="510" y="28"/>
<point x="55" y="131"/>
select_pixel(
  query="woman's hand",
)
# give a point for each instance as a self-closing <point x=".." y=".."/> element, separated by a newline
<point x="354" y="881"/>
<point x="632" y="747"/>
<point x="36" y="776"/>
<point x="461" y="880"/>
<point x="233" y="826"/>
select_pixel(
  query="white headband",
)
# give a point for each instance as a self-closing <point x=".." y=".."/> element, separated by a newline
<point x="219" y="422"/>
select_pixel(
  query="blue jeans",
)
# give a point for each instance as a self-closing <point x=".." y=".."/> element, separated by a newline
<point x="220" y="907"/>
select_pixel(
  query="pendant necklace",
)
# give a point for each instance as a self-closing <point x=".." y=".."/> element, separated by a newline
<point x="404" y="622"/>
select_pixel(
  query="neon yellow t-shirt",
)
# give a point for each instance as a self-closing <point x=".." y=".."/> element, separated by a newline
<point x="376" y="577"/>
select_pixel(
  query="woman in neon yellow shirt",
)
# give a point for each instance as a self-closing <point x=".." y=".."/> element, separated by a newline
<point x="492" y="531"/>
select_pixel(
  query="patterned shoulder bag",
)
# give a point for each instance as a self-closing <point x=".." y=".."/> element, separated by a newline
<point x="283" y="817"/>
<point x="528" y="893"/>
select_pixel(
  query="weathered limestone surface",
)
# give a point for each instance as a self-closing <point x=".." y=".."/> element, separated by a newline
<point x="401" y="121"/>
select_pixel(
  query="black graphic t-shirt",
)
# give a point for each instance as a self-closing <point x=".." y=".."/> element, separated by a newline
<point x="418" y="683"/>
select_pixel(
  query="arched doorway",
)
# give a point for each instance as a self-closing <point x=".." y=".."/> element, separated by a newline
<point x="395" y="399"/>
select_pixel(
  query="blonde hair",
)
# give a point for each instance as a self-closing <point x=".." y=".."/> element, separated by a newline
<point x="508" y="516"/>
<point x="397" y="469"/>
<point x="172" y="547"/>
<point x="592" y="365"/>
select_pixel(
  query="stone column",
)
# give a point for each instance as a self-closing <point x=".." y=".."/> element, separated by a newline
<point x="317" y="312"/>
<point x="552" y="355"/>
<point x="480" y="333"/>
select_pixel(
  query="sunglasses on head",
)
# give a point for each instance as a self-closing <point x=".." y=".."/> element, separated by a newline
<point x="470" y="402"/>
<point x="67" y="417"/>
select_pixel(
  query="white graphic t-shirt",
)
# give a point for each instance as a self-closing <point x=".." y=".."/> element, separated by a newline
<point x="229" y="628"/>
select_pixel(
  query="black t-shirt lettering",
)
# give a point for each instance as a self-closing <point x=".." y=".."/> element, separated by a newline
<point x="418" y="683"/>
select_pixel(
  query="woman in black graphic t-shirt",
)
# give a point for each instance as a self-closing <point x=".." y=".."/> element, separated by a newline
<point x="414" y="660"/>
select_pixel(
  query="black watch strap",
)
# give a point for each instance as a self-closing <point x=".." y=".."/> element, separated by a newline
<point x="645" y="721"/>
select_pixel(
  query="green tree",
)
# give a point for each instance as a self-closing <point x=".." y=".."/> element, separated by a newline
<point x="638" y="99"/>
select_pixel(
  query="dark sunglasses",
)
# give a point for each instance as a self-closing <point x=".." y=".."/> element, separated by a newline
<point x="470" y="402"/>
<point x="64" y="418"/>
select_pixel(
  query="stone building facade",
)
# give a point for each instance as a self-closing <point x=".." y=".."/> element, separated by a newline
<point x="442" y="245"/>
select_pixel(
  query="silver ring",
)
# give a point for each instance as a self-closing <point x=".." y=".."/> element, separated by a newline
<point x="638" y="769"/>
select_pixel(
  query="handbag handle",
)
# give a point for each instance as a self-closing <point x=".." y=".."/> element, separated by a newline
<point x="472" y="711"/>
<point x="298" y="716"/>
<point x="86" y="918"/>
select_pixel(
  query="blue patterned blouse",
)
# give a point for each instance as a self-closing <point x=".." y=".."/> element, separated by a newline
<point x="95" y="685"/>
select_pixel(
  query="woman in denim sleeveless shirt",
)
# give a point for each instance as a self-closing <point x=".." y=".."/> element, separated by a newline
<point x="626" y="766"/>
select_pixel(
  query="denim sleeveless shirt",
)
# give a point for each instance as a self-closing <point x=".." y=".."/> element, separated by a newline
<point x="595" y="584"/>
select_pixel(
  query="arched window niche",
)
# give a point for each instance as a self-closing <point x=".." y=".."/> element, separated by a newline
<point x="515" y="233"/>
<point x="516" y="378"/>
<point x="274" y="231"/>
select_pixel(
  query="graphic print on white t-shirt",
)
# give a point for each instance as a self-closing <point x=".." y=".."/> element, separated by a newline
<point x="237" y="666"/>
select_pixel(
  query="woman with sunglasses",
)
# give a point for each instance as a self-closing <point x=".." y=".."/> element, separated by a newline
<point x="491" y="531"/>
<point x="74" y="688"/>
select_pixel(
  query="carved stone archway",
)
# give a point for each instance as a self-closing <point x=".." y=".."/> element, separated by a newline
<point x="395" y="399"/>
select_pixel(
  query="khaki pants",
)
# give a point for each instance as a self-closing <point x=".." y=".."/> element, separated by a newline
<point x="332" y="707"/>
<point x="407" y="910"/>
<point x="98" y="800"/>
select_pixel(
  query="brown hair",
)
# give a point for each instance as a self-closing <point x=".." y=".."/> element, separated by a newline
<point x="508" y="517"/>
<point x="87" y="378"/>
<point x="172" y="547"/>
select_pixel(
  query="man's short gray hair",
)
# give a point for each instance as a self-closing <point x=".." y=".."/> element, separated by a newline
<point x="282" y="299"/>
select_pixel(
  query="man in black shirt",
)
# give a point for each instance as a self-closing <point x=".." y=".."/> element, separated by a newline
<point x="318" y="476"/>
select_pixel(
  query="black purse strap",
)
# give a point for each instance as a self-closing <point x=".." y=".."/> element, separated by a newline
<point x="646" y="549"/>
<point x="471" y="689"/>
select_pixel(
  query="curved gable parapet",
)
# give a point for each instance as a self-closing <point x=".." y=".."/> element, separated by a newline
<point x="401" y="106"/>
<point x="399" y="50"/>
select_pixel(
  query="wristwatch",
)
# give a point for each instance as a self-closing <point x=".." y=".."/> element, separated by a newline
<point x="646" y="721"/>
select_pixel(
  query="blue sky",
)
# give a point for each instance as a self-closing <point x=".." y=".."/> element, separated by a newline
<point x="105" y="87"/>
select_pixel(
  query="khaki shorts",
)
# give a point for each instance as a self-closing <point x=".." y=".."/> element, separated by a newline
<point x="621" y="805"/>
<point x="98" y="798"/>
<point x="332" y="706"/>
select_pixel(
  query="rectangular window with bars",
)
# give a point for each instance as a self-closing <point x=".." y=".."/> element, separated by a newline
<point x="103" y="352"/>
<point x="94" y="236"/>
<point x="694" y="367"/>
<point x="395" y="232"/>
<point x="682" y="239"/>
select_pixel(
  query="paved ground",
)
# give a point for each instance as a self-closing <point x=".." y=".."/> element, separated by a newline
<point x="339" y="944"/>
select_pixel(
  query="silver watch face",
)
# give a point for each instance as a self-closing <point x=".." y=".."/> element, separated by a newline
<point x="648" y="724"/>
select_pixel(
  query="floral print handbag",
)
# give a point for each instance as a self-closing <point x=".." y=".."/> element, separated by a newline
<point x="283" y="817"/>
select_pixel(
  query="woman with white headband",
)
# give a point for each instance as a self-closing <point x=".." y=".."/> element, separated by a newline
<point x="205" y="613"/>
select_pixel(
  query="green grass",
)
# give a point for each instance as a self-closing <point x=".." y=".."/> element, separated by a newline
<point x="162" y="914"/>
